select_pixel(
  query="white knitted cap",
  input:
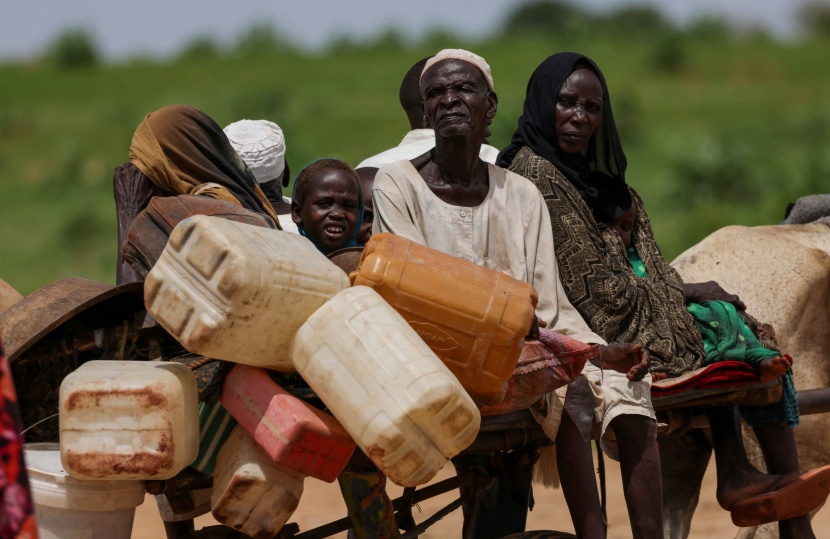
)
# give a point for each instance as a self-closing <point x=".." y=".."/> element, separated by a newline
<point x="261" y="145"/>
<point x="464" y="56"/>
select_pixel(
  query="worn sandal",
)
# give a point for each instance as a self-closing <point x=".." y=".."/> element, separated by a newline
<point x="797" y="498"/>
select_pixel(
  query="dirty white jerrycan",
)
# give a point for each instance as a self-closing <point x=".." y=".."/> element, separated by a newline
<point x="251" y="493"/>
<point x="67" y="508"/>
<point x="238" y="292"/>
<point x="128" y="420"/>
<point x="397" y="400"/>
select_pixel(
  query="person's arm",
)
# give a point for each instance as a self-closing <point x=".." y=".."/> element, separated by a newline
<point x="554" y="308"/>
<point x="710" y="291"/>
<point x="595" y="286"/>
<point x="392" y="213"/>
<point x="633" y="360"/>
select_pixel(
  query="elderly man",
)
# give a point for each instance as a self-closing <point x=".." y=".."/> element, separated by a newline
<point x="451" y="200"/>
<point x="421" y="138"/>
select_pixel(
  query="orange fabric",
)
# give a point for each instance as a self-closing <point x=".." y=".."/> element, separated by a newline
<point x="181" y="149"/>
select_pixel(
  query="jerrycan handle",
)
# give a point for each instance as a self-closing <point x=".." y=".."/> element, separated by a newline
<point x="370" y="247"/>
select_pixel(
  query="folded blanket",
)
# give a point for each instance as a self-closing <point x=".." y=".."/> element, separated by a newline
<point x="721" y="374"/>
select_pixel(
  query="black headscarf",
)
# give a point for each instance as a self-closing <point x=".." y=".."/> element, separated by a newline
<point x="599" y="175"/>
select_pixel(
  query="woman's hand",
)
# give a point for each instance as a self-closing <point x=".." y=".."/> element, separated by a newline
<point x="632" y="360"/>
<point x="710" y="291"/>
<point x="533" y="334"/>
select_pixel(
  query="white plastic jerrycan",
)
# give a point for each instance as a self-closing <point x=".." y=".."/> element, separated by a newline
<point x="251" y="493"/>
<point x="67" y="508"/>
<point x="393" y="395"/>
<point x="238" y="292"/>
<point x="128" y="420"/>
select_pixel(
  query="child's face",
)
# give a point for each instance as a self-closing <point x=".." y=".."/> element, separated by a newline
<point x="367" y="178"/>
<point x="330" y="210"/>
<point x="624" y="224"/>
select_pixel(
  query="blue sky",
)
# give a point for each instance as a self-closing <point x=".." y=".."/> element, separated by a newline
<point x="163" y="26"/>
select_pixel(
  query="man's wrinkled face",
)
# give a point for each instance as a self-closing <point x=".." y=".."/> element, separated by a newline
<point x="457" y="100"/>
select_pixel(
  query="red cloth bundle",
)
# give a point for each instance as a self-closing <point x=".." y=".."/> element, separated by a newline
<point x="551" y="362"/>
<point x="721" y="374"/>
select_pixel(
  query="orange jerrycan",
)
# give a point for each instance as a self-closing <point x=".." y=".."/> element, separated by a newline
<point x="473" y="318"/>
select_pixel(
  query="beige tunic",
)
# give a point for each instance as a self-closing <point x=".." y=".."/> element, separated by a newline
<point x="418" y="142"/>
<point x="509" y="232"/>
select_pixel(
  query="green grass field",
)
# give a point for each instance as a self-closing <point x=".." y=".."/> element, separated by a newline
<point x="715" y="133"/>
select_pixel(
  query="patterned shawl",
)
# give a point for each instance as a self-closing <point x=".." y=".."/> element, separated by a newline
<point x="599" y="281"/>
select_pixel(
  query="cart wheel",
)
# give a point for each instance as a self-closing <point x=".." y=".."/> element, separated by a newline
<point x="215" y="532"/>
<point x="540" y="534"/>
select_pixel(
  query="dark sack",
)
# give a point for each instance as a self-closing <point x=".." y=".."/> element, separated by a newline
<point x="151" y="229"/>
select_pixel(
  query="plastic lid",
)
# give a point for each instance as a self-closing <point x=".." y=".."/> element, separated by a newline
<point x="52" y="487"/>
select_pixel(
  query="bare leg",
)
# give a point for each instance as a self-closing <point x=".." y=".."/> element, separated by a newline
<point x="640" y="466"/>
<point x="576" y="463"/>
<point x="781" y="455"/>
<point x="737" y="478"/>
<point x="683" y="462"/>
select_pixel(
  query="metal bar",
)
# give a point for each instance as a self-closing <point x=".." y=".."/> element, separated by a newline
<point x="326" y="530"/>
<point x="422" y="527"/>
<point x="420" y="495"/>
<point x="814" y="401"/>
<point x="437" y="489"/>
<point x="514" y="439"/>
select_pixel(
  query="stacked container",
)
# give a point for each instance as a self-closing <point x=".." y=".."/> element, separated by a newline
<point x="68" y="508"/>
<point x="128" y="420"/>
<point x="473" y="318"/>
<point x="238" y="292"/>
<point x="398" y="401"/>
<point x="250" y="492"/>
<point x="294" y="434"/>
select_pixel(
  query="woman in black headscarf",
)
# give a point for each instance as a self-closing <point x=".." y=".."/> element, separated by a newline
<point x="572" y="152"/>
<point x="567" y="144"/>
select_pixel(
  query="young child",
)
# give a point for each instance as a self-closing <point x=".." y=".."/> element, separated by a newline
<point x="726" y="337"/>
<point x="327" y="204"/>
<point x="367" y="178"/>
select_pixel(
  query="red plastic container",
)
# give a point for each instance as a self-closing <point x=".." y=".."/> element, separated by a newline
<point x="293" y="433"/>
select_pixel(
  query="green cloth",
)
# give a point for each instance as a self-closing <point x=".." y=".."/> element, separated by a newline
<point x="215" y="425"/>
<point x="726" y="337"/>
<point x="637" y="264"/>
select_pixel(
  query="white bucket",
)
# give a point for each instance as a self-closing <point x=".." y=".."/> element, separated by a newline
<point x="68" y="508"/>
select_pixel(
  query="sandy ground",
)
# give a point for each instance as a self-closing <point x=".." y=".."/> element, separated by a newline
<point x="321" y="503"/>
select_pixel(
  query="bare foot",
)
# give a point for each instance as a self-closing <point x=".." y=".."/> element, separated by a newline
<point x="657" y="376"/>
<point x="742" y="484"/>
<point x="772" y="368"/>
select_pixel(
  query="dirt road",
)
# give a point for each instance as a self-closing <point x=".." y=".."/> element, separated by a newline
<point x="322" y="503"/>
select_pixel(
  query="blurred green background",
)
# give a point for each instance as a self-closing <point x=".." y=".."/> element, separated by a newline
<point x="720" y="126"/>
